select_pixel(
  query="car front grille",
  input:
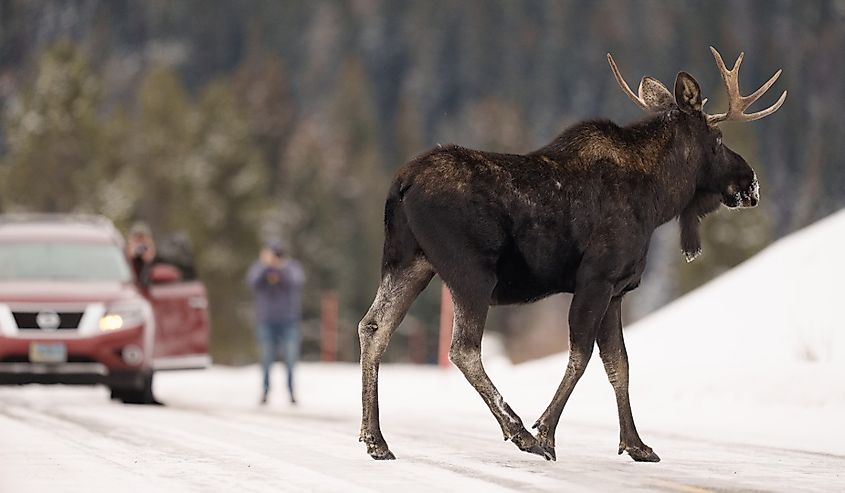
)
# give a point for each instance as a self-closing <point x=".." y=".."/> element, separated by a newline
<point x="27" y="320"/>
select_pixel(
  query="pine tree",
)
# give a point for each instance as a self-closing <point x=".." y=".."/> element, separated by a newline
<point x="54" y="137"/>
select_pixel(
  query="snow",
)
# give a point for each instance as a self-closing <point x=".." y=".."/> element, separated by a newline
<point x="756" y="356"/>
<point x="737" y="386"/>
<point x="213" y="436"/>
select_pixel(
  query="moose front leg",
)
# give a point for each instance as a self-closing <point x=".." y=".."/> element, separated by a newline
<point x="585" y="315"/>
<point x="615" y="359"/>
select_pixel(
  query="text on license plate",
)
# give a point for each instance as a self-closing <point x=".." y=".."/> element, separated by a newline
<point x="47" y="352"/>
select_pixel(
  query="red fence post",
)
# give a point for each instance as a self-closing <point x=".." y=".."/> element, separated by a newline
<point x="328" y="326"/>
<point x="416" y="343"/>
<point x="447" y="312"/>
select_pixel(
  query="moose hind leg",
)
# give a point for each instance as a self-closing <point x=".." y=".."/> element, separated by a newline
<point x="397" y="291"/>
<point x="615" y="359"/>
<point x="465" y="353"/>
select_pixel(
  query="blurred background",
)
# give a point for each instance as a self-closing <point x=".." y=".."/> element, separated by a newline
<point x="225" y="123"/>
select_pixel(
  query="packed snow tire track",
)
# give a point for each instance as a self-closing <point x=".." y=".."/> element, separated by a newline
<point x="203" y="440"/>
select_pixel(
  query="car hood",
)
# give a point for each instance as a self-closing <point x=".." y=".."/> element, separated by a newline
<point x="63" y="291"/>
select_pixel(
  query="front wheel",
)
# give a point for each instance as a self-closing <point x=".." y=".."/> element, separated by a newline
<point x="141" y="393"/>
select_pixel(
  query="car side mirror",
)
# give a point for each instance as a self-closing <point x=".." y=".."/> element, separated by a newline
<point x="164" y="274"/>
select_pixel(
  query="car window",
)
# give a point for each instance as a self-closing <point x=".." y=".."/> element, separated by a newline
<point x="62" y="261"/>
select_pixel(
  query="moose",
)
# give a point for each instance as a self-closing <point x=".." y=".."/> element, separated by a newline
<point x="575" y="216"/>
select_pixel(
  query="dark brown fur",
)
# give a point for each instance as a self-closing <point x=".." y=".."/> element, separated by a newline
<point x="574" y="216"/>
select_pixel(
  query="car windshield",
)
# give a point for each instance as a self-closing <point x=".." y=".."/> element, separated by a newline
<point x="62" y="262"/>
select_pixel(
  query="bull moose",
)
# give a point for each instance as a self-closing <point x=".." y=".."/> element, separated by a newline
<point x="575" y="216"/>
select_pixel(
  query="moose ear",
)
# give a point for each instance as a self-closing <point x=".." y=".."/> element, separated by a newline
<point x="655" y="95"/>
<point x="687" y="93"/>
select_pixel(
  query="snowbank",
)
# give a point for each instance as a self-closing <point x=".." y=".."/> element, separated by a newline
<point x="757" y="355"/>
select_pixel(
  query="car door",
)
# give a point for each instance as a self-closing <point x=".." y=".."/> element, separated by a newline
<point x="182" y="320"/>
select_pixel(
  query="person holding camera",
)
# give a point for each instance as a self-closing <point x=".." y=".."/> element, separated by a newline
<point x="276" y="279"/>
<point x="141" y="251"/>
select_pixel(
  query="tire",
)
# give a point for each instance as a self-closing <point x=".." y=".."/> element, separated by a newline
<point x="142" y="394"/>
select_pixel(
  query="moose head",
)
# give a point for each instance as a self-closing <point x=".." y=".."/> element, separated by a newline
<point x="723" y="176"/>
<point x="724" y="171"/>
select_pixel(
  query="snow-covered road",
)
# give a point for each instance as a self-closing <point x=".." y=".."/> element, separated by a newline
<point x="738" y="386"/>
<point x="212" y="436"/>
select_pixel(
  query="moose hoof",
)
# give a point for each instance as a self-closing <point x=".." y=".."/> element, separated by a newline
<point x="382" y="455"/>
<point x="377" y="447"/>
<point x="380" y="451"/>
<point x="527" y="443"/>
<point x="643" y="453"/>
<point x="545" y="441"/>
<point x="548" y="448"/>
<point x="549" y="453"/>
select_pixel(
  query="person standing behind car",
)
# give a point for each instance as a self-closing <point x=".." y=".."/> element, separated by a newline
<point x="276" y="279"/>
<point x="141" y="251"/>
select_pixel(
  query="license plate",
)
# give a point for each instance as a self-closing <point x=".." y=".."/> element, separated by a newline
<point x="47" y="353"/>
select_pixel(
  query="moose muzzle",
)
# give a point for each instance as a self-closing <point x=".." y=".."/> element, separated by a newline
<point x="745" y="198"/>
<point x="750" y="197"/>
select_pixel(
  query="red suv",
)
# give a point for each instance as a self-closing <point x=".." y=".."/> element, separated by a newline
<point x="72" y="312"/>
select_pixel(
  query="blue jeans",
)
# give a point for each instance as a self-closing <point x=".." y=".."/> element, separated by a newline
<point x="273" y="336"/>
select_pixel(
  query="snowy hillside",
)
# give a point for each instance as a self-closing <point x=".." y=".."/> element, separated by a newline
<point x="782" y="307"/>
<point x="757" y="355"/>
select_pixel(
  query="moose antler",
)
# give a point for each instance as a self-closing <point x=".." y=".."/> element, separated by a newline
<point x="737" y="104"/>
<point x="624" y="85"/>
<point x="652" y="95"/>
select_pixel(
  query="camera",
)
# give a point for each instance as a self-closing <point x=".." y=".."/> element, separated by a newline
<point x="139" y="251"/>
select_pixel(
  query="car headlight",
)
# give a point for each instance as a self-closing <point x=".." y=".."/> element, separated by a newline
<point x="121" y="317"/>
